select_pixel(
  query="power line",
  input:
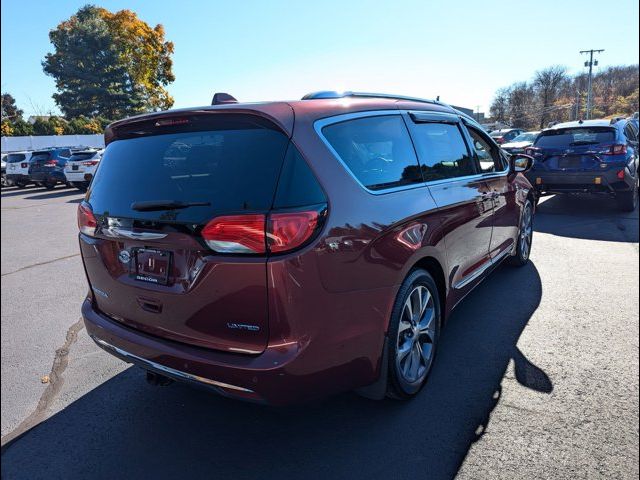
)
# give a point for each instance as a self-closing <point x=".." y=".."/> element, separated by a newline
<point x="590" y="63"/>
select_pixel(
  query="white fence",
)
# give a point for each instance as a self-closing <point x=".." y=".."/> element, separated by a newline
<point x="13" y="144"/>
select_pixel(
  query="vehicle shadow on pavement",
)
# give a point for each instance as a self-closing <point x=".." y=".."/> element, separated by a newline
<point x="590" y="217"/>
<point x="57" y="193"/>
<point x="127" y="429"/>
<point x="14" y="192"/>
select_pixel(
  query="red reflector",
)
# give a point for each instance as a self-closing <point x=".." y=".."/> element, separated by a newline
<point x="290" y="230"/>
<point x="621" y="174"/>
<point x="172" y="121"/>
<point x="86" y="220"/>
<point x="236" y="234"/>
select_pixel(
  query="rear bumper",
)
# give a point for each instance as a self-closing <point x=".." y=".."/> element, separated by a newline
<point x="48" y="177"/>
<point x="18" y="178"/>
<point x="278" y="376"/>
<point x="606" y="181"/>
<point x="78" y="177"/>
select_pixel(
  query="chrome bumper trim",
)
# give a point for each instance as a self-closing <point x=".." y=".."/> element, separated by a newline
<point x="168" y="370"/>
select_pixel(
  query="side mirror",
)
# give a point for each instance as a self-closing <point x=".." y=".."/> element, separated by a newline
<point x="520" y="163"/>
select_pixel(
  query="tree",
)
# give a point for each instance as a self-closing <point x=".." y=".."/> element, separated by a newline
<point x="547" y="82"/>
<point x="9" y="109"/>
<point x="109" y="64"/>
<point x="500" y="105"/>
<point x="521" y="105"/>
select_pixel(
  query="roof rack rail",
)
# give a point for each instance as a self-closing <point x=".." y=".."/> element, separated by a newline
<point x="324" y="94"/>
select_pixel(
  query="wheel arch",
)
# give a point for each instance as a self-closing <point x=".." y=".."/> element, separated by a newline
<point x="435" y="269"/>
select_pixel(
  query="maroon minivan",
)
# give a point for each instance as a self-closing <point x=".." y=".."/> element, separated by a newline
<point x="280" y="252"/>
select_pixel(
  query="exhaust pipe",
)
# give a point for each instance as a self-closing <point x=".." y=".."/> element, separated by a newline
<point x="158" y="380"/>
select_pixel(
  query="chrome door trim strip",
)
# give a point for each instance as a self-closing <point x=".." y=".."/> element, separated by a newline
<point x="162" y="368"/>
<point x="479" y="271"/>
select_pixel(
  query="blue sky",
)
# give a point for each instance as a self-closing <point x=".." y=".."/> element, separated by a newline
<point x="460" y="50"/>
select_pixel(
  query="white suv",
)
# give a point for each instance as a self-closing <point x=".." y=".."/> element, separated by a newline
<point x="81" y="167"/>
<point x="18" y="168"/>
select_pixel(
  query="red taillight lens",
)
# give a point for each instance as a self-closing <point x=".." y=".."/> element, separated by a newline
<point x="620" y="174"/>
<point x="290" y="230"/>
<point x="24" y="165"/>
<point x="616" y="150"/>
<point x="51" y="163"/>
<point x="86" y="220"/>
<point x="236" y="234"/>
<point x="90" y="163"/>
<point x="255" y="233"/>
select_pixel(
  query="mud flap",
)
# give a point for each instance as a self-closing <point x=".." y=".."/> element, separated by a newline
<point x="378" y="389"/>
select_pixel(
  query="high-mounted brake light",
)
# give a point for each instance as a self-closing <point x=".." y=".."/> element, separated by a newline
<point x="236" y="234"/>
<point x="87" y="222"/>
<point x="171" y="122"/>
<point x="290" y="230"/>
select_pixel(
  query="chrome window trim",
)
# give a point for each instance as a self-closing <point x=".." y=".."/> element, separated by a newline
<point x="320" y="124"/>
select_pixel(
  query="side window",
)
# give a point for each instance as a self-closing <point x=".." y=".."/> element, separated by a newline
<point x="630" y="133"/>
<point x="377" y="150"/>
<point x="442" y="151"/>
<point x="488" y="158"/>
<point x="298" y="185"/>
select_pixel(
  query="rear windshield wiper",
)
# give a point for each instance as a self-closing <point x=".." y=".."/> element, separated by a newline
<point x="152" y="205"/>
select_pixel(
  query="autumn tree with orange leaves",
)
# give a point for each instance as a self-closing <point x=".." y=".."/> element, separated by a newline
<point x="109" y="64"/>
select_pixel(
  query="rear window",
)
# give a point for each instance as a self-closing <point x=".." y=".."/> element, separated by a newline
<point x="571" y="137"/>
<point x="232" y="162"/>
<point x="15" y="157"/>
<point x="82" y="156"/>
<point x="39" y="156"/>
<point x="377" y="150"/>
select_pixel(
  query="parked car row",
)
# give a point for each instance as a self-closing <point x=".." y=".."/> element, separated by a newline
<point x="50" y="167"/>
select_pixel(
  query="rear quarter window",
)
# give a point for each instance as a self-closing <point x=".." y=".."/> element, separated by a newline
<point x="377" y="150"/>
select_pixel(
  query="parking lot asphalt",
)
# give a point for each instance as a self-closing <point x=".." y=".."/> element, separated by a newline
<point x="537" y="375"/>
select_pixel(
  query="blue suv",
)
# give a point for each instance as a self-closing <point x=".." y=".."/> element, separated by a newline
<point x="46" y="167"/>
<point x="588" y="156"/>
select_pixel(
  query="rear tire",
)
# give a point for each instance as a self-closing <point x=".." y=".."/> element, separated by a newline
<point x="628" y="201"/>
<point x="49" y="185"/>
<point x="525" y="236"/>
<point x="20" y="185"/>
<point x="414" y="331"/>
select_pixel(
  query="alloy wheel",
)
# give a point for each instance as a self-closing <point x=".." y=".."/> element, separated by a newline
<point x="526" y="231"/>
<point x="416" y="335"/>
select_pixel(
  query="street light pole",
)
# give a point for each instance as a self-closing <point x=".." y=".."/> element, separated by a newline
<point x="590" y="64"/>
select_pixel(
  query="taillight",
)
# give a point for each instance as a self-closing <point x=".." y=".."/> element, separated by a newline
<point x="236" y="234"/>
<point x="290" y="230"/>
<point x="86" y="220"/>
<point x="614" y="150"/>
<point x="258" y="234"/>
<point x="499" y="140"/>
<point x="24" y="165"/>
<point x="620" y="174"/>
<point x="51" y="163"/>
<point x="90" y="163"/>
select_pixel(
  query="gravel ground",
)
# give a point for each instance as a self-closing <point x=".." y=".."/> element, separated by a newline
<point x="537" y="375"/>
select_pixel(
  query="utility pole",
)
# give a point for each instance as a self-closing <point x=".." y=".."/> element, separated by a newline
<point x="590" y="64"/>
